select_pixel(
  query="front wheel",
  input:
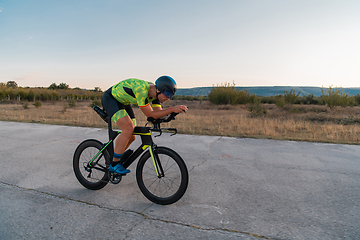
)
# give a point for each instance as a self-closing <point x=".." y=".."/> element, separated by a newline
<point x="171" y="184"/>
<point x="93" y="176"/>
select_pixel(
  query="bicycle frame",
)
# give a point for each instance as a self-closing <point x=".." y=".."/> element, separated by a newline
<point x="147" y="143"/>
<point x="92" y="159"/>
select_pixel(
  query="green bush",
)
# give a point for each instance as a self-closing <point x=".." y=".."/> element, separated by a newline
<point x="37" y="104"/>
<point x="30" y="96"/>
<point x="280" y="101"/>
<point x="95" y="103"/>
<point x="225" y="94"/>
<point x="334" y="97"/>
<point x="190" y="98"/>
<point x="221" y="94"/>
<point x="268" y="99"/>
<point x="310" y="99"/>
<point x="71" y="103"/>
<point x="256" y="109"/>
<point x="291" y="97"/>
<point x="21" y="94"/>
<point x="356" y="99"/>
<point x="64" y="109"/>
<point x="2" y="95"/>
<point x="241" y="97"/>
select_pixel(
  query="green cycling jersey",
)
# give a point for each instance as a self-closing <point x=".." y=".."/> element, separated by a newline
<point x="134" y="91"/>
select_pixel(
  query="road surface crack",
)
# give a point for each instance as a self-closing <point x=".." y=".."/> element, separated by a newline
<point x="205" y="160"/>
<point x="146" y="217"/>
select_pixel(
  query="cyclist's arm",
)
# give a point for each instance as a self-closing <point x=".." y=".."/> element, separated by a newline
<point x="159" y="113"/>
<point x="156" y="107"/>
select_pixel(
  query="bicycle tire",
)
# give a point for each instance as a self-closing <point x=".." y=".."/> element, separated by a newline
<point x="169" y="188"/>
<point x="96" y="177"/>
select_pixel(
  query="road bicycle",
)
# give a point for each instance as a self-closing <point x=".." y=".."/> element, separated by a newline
<point x="161" y="173"/>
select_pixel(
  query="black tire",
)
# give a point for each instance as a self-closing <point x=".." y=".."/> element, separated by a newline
<point x="169" y="188"/>
<point x="95" y="177"/>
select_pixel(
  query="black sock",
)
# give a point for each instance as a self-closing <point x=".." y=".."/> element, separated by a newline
<point x="114" y="163"/>
<point x="116" y="155"/>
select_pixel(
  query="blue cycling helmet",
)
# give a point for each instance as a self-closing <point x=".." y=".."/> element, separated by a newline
<point x="166" y="85"/>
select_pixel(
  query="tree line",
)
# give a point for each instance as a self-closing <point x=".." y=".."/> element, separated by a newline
<point x="332" y="97"/>
<point x="220" y="94"/>
<point x="11" y="91"/>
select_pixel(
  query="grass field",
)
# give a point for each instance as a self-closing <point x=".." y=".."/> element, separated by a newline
<point x="294" y="122"/>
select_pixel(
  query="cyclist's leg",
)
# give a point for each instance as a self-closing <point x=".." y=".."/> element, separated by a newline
<point x="125" y="119"/>
<point x="125" y="123"/>
<point x="126" y="137"/>
<point x="116" y="110"/>
<point x="131" y="114"/>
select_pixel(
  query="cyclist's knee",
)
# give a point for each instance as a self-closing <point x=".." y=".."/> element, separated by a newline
<point x="126" y="125"/>
<point x="128" y="131"/>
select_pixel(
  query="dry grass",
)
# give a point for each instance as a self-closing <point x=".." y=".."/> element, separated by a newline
<point x="301" y="123"/>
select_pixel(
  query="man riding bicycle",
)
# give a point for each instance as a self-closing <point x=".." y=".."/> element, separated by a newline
<point x="116" y="102"/>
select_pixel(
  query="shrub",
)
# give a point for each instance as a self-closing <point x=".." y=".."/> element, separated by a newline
<point x="225" y="94"/>
<point x="268" y="99"/>
<point x="241" y="97"/>
<point x="26" y="106"/>
<point x="30" y="96"/>
<point x="71" y="103"/>
<point x="2" y="95"/>
<point x="221" y="94"/>
<point x="256" y="109"/>
<point x="64" y="108"/>
<point x="189" y="97"/>
<point x="291" y="97"/>
<point x="37" y="104"/>
<point x="280" y="101"/>
<point x="356" y="99"/>
<point x="310" y="99"/>
<point x="334" y="97"/>
<point x="95" y="102"/>
<point x="21" y="94"/>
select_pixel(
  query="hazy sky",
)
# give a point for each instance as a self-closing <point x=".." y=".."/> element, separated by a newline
<point x="87" y="43"/>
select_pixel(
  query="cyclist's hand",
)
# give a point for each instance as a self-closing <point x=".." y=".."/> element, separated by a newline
<point x="180" y="108"/>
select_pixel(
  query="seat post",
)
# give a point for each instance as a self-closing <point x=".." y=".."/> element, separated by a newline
<point x="111" y="146"/>
<point x="109" y="128"/>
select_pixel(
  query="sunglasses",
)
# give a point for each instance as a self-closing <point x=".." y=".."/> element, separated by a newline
<point x="168" y="93"/>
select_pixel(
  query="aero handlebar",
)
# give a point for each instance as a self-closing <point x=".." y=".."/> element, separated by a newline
<point x="156" y="123"/>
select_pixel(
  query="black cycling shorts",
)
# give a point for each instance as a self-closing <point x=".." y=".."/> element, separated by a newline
<point x="112" y="106"/>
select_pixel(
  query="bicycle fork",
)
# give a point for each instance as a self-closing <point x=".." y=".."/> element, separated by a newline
<point x="156" y="161"/>
<point x="149" y="144"/>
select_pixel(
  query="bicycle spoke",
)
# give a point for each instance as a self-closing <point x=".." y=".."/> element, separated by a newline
<point x="94" y="176"/>
<point x="165" y="186"/>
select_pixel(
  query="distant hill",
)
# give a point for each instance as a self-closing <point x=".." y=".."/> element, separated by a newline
<point x="265" y="91"/>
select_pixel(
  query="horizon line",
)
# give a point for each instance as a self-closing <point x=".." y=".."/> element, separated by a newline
<point x="272" y="86"/>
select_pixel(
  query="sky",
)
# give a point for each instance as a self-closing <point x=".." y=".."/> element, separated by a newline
<point x="200" y="43"/>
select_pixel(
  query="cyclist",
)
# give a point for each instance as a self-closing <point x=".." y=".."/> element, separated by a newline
<point x="116" y="102"/>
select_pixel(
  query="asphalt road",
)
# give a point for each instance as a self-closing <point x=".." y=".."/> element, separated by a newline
<point x="238" y="189"/>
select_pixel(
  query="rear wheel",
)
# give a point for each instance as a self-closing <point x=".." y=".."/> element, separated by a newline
<point x="172" y="183"/>
<point x="96" y="176"/>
